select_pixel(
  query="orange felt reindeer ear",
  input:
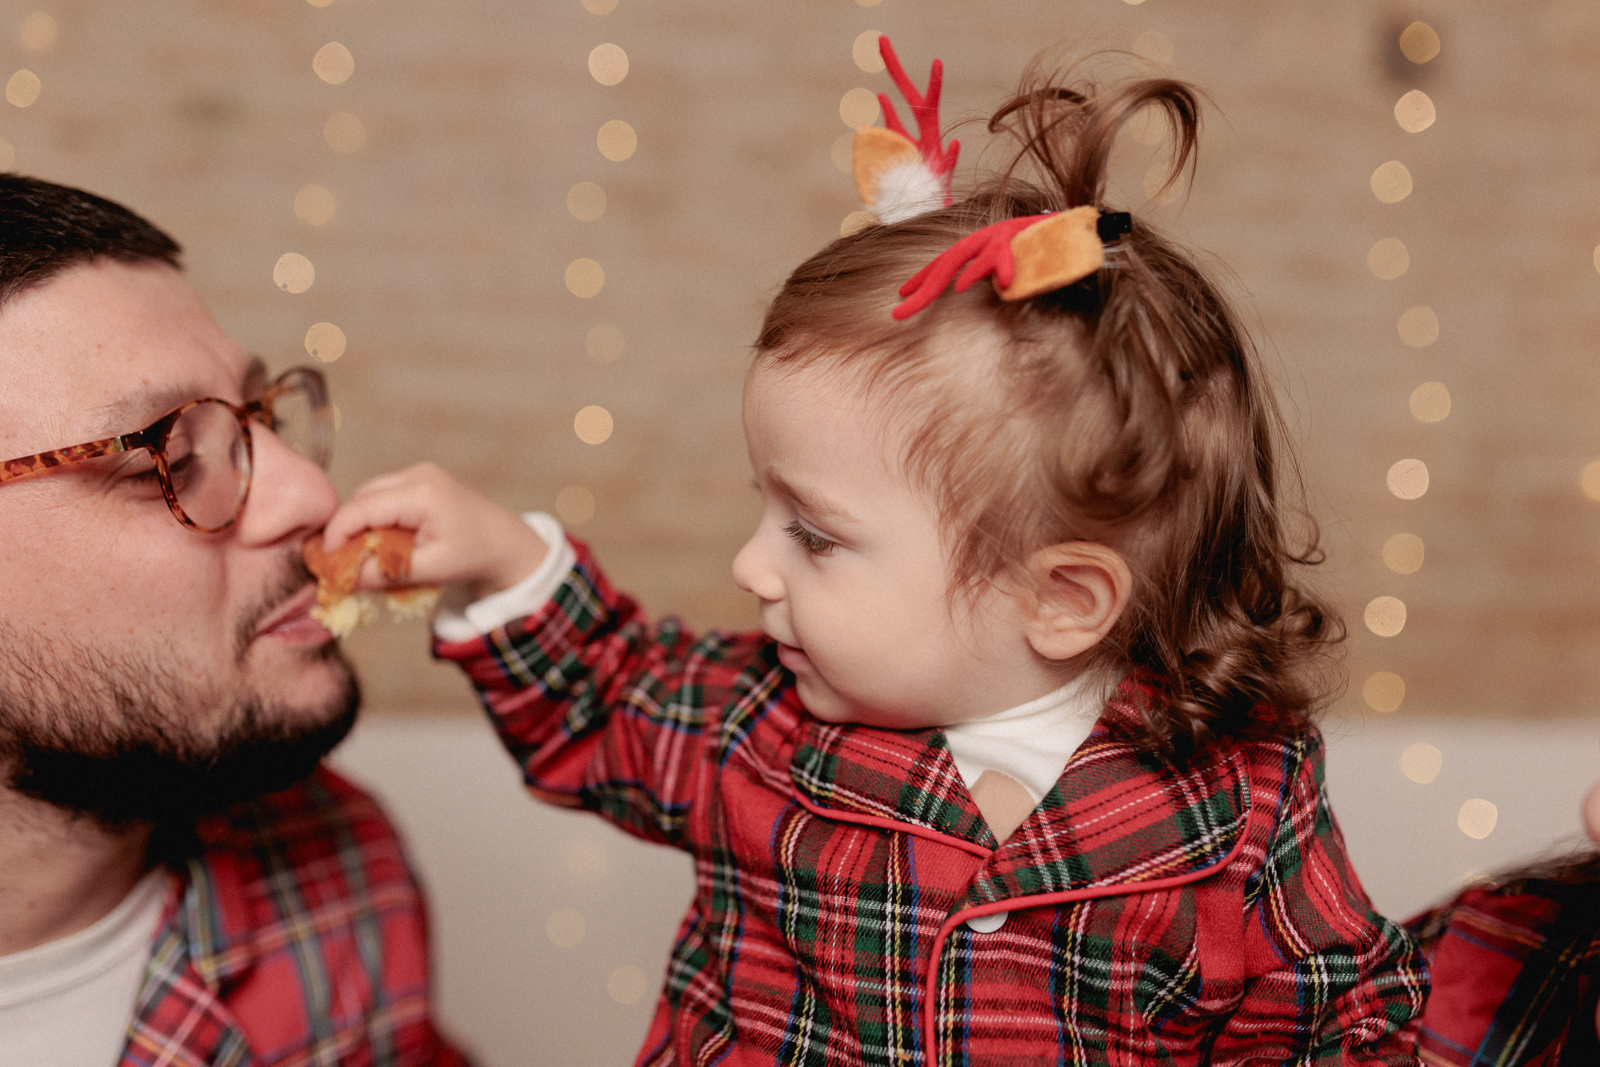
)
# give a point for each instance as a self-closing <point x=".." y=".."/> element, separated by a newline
<point x="1054" y="252"/>
<point x="1025" y="257"/>
<point x="895" y="176"/>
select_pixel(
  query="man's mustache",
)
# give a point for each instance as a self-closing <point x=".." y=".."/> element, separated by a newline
<point x="295" y="577"/>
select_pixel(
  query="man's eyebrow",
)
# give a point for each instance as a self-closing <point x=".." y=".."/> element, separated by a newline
<point x="136" y="410"/>
<point x="813" y="502"/>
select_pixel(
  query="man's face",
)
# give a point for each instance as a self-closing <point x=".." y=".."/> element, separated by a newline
<point x="131" y="647"/>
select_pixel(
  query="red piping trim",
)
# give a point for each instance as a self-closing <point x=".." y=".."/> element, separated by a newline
<point x="930" y="991"/>
<point x="891" y="824"/>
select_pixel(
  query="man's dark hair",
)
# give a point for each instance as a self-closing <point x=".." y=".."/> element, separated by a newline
<point x="46" y="228"/>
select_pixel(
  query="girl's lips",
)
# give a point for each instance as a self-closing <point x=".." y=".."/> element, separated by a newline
<point x="792" y="657"/>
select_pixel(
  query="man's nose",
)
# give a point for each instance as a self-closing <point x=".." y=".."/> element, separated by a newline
<point x="753" y="572"/>
<point x="289" y="494"/>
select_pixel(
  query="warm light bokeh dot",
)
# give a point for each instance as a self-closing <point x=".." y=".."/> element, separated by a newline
<point x="600" y="7"/>
<point x="575" y="505"/>
<point x="1414" y="111"/>
<point x="1391" y="182"/>
<point x="608" y="64"/>
<point x="1384" y="691"/>
<point x="1385" y="616"/>
<point x="593" y="425"/>
<point x="1408" y="479"/>
<point x="1589" y="480"/>
<point x="1403" y="553"/>
<point x="868" y="3"/>
<point x="585" y="278"/>
<point x="586" y="201"/>
<point x="314" y="205"/>
<point x="38" y="32"/>
<point x="856" y="221"/>
<point x="1419" y="42"/>
<point x="858" y="108"/>
<point x="344" y="132"/>
<point x="1388" y="258"/>
<point x="864" y="50"/>
<point x="1421" y="763"/>
<point x="1477" y="818"/>
<point x="319" y="3"/>
<point x="603" y="342"/>
<point x="616" y="140"/>
<point x="627" y="984"/>
<point x="293" y="273"/>
<point x="1156" y="47"/>
<point x="23" y="88"/>
<point x="565" y="927"/>
<point x="325" y="341"/>
<point x="1430" y="402"/>
<point x="1418" y="327"/>
<point x="333" y="63"/>
<point x="1149" y="125"/>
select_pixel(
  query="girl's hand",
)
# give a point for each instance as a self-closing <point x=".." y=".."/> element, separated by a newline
<point x="462" y="535"/>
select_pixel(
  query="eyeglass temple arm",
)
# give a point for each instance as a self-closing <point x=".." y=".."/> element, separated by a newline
<point x="27" y="466"/>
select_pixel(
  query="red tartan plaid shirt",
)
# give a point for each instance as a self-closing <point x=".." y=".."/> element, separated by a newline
<point x="1516" y="973"/>
<point x="295" y="935"/>
<point x="1156" y="914"/>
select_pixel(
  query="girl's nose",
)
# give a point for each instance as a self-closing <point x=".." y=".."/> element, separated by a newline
<point x="753" y="573"/>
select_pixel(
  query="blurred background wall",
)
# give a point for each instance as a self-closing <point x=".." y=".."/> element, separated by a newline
<point x="531" y="240"/>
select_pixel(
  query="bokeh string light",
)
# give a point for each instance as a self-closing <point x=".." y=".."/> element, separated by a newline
<point x="1429" y="403"/>
<point x="23" y="88"/>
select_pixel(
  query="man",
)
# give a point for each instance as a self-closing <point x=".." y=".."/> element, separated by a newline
<point x="179" y="882"/>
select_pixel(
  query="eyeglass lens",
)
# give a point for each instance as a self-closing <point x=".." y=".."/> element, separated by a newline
<point x="300" y="417"/>
<point x="208" y="461"/>
<point x="207" y="464"/>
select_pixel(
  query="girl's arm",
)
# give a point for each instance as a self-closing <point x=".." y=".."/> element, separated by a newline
<point x="601" y="708"/>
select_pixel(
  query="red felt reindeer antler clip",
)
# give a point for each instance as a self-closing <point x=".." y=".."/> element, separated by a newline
<point x="896" y="176"/>
<point x="1025" y="256"/>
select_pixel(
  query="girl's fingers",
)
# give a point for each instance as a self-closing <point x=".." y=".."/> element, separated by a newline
<point x="374" y="511"/>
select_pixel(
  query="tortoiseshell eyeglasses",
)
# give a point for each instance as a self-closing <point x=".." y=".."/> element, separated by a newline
<point x="201" y="451"/>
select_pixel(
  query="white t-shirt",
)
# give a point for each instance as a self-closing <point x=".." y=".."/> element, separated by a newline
<point x="68" y="1002"/>
<point x="1030" y="743"/>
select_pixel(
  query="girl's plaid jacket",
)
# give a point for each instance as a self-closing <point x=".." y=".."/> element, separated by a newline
<point x="1155" y="914"/>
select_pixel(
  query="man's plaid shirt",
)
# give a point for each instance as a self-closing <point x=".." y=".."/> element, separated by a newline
<point x="1516" y="972"/>
<point x="295" y="935"/>
<point x="1156" y="914"/>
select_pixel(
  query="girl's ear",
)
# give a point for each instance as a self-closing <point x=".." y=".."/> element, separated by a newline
<point x="1078" y="591"/>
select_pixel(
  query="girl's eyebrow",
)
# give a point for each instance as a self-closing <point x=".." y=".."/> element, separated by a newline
<point x="812" y="501"/>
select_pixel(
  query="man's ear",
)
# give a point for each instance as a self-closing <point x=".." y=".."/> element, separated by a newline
<point x="1078" y="592"/>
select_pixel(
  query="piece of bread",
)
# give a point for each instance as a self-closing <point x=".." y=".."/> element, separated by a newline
<point x="341" y="607"/>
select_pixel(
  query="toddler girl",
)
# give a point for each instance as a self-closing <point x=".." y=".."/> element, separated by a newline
<point x="1020" y="768"/>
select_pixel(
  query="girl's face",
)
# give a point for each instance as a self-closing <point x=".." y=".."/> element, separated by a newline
<point x="852" y="572"/>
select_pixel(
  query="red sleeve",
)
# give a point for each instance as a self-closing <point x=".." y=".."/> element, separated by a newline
<point x="604" y="710"/>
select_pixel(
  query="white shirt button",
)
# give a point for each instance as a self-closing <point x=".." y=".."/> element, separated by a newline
<point x="987" y="924"/>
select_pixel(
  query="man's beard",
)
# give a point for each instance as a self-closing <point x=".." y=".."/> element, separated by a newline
<point x="133" y="737"/>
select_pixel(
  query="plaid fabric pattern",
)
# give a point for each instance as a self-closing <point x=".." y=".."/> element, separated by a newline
<point x="1516" y="975"/>
<point x="295" y="936"/>
<point x="1155" y="914"/>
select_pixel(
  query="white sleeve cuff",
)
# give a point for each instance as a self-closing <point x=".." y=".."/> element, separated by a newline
<point x="457" y="620"/>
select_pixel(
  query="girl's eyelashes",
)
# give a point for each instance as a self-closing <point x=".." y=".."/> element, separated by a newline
<point x="813" y="543"/>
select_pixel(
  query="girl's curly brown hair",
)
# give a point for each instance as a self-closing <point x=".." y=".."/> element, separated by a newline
<point x="1127" y="409"/>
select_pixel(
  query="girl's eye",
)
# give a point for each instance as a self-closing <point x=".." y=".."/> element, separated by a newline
<point x="813" y="543"/>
